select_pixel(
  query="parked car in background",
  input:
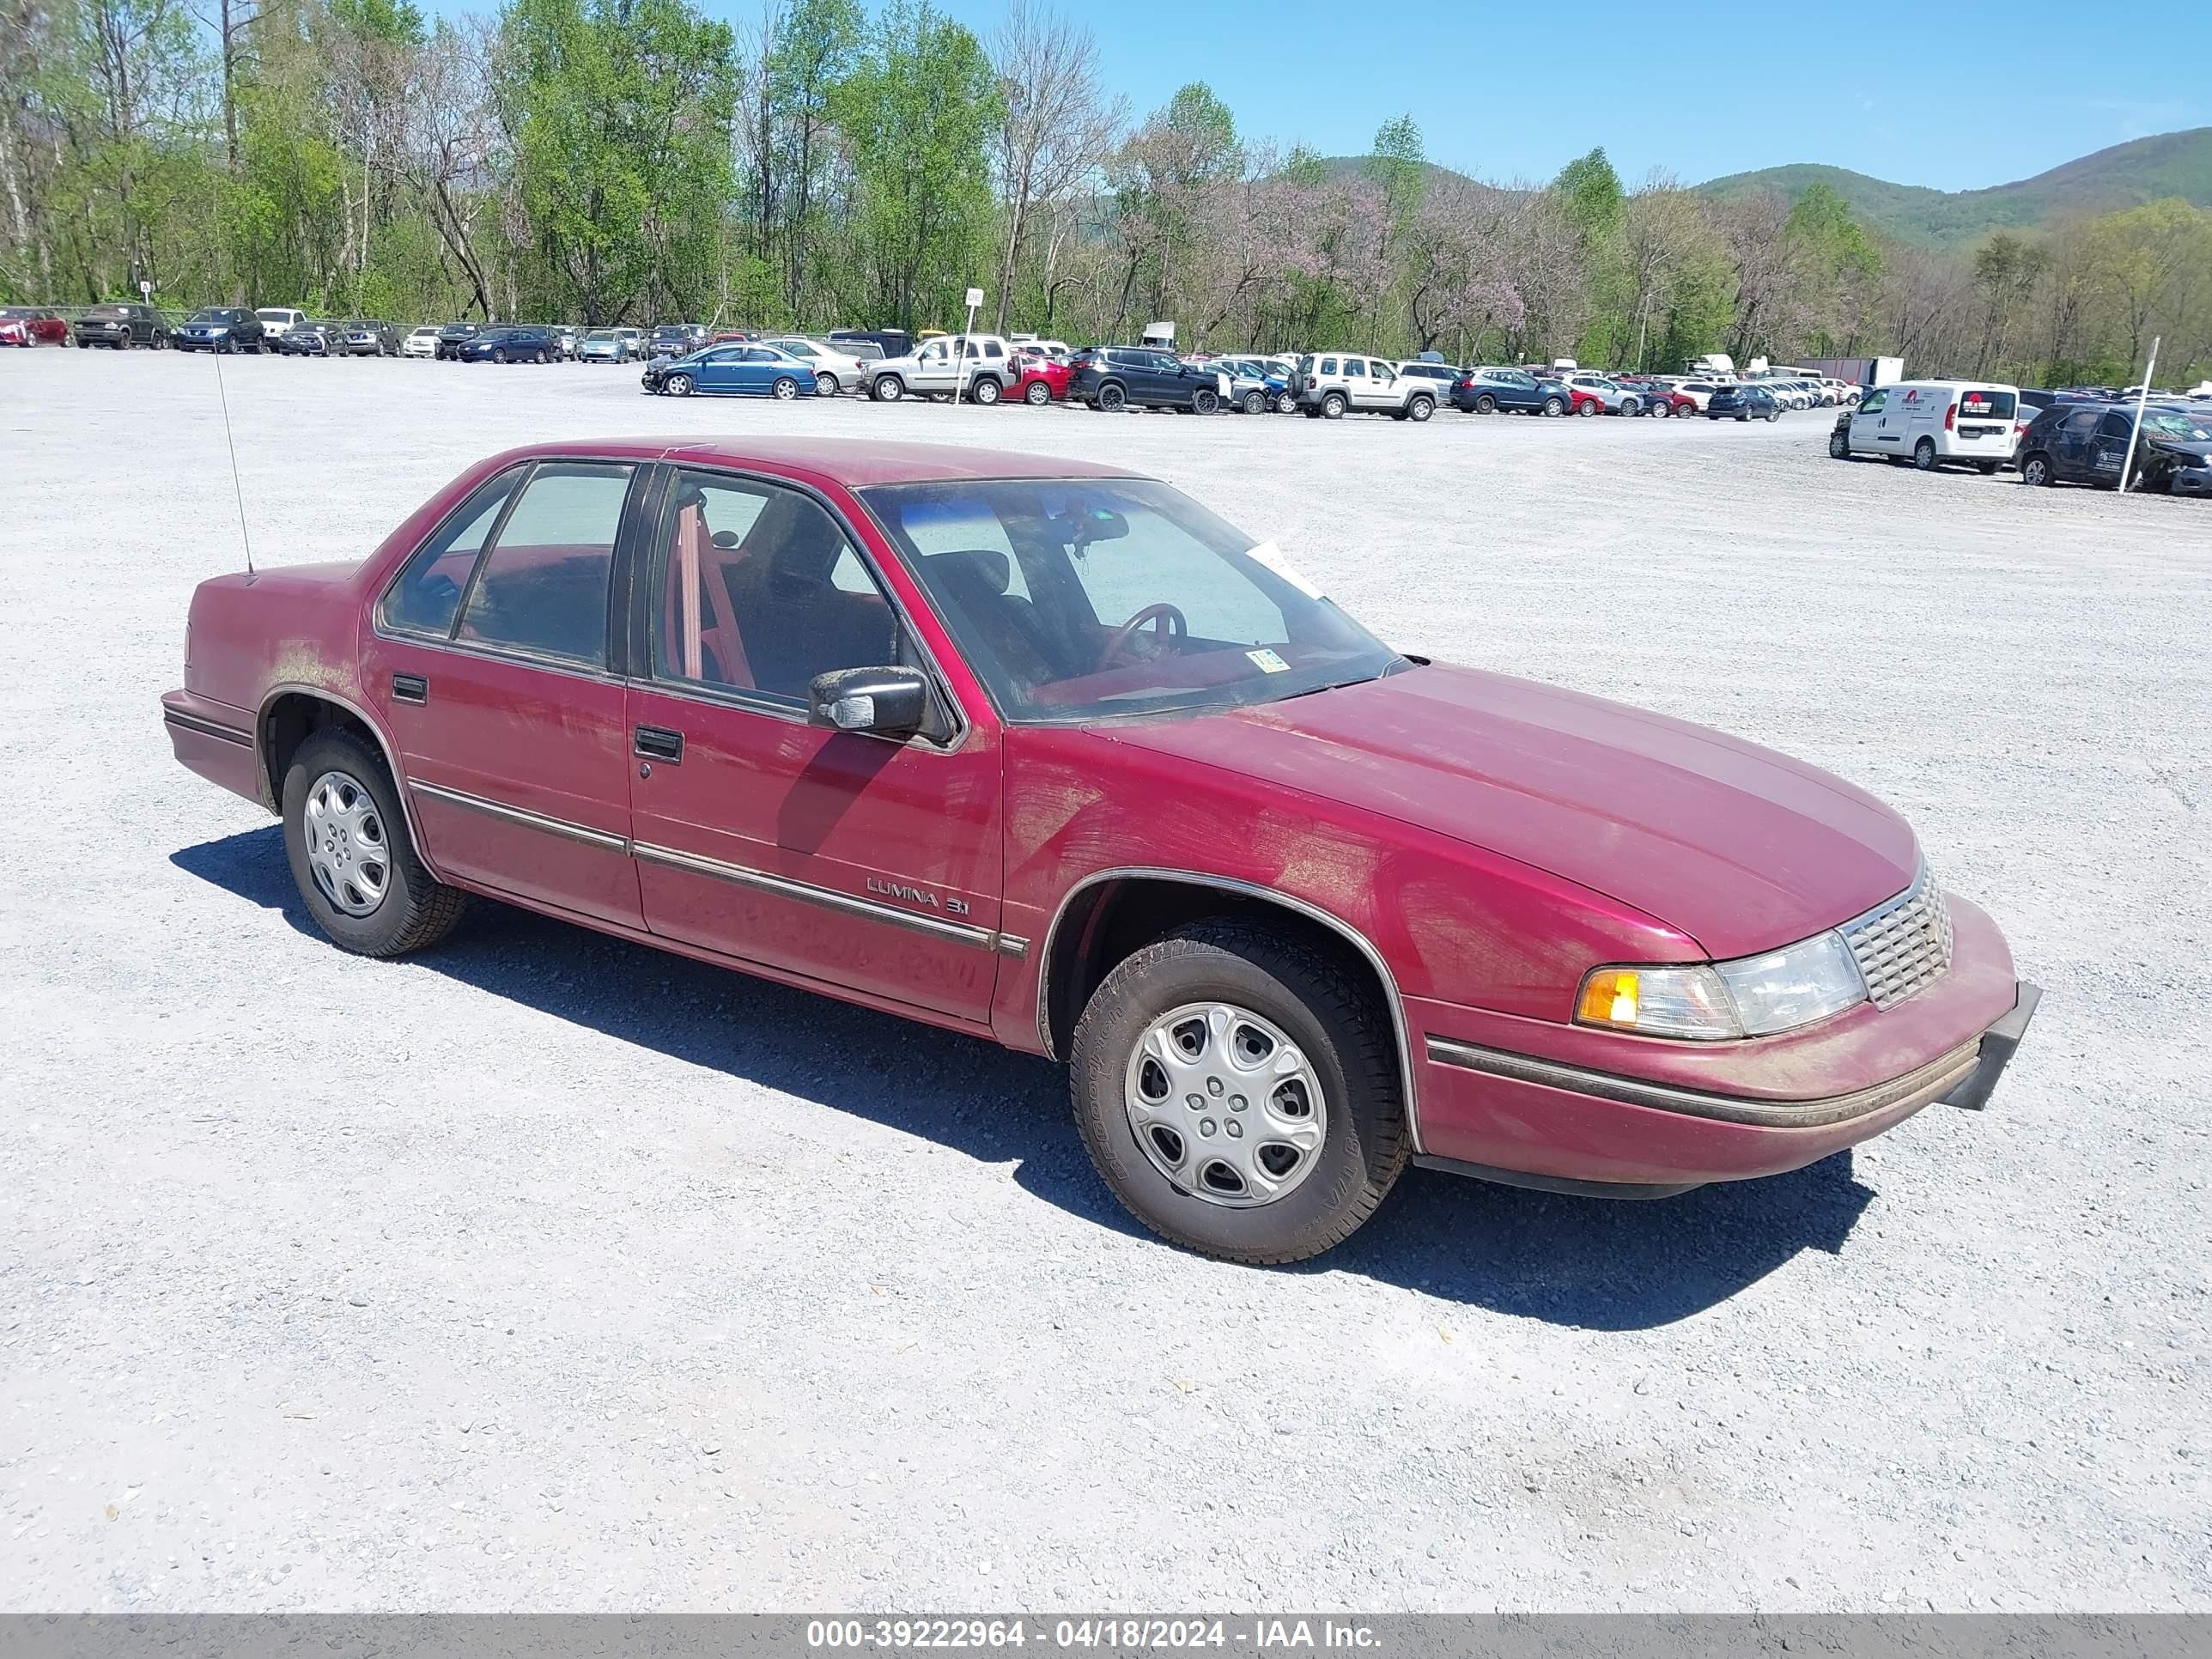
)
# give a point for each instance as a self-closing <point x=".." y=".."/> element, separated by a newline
<point x="603" y="345"/>
<point x="29" y="325"/>
<point x="308" y="339"/>
<point x="1699" y="391"/>
<point x="1613" y="397"/>
<point x="1039" y="378"/>
<point x="219" y="328"/>
<point x="1486" y="390"/>
<point x="1273" y="375"/>
<point x="455" y="335"/>
<point x="119" y="327"/>
<point x="1584" y="401"/>
<point x="869" y="717"/>
<point x="567" y="339"/>
<point x="835" y="370"/>
<point x="757" y="370"/>
<point x="981" y="366"/>
<point x="1743" y="402"/>
<point x="1330" y="385"/>
<point x="511" y="342"/>
<point x="419" y="341"/>
<point x="277" y="321"/>
<point x="1114" y="378"/>
<point x="1250" y="390"/>
<point x="2086" y="443"/>
<point x="675" y="339"/>
<point x="1930" y="422"/>
<point x="363" y="337"/>
<point x="888" y="342"/>
<point x="1441" y="376"/>
<point x="633" y="338"/>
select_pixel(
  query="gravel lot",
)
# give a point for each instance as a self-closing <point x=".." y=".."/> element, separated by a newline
<point x="546" y="1273"/>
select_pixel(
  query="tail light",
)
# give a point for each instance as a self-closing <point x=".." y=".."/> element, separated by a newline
<point x="1951" y="418"/>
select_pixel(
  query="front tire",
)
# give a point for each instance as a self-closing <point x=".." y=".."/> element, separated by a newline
<point x="1111" y="398"/>
<point x="352" y="858"/>
<point x="1839" y="446"/>
<point x="1421" y="408"/>
<point x="1255" y="403"/>
<point x="887" y="388"/>
<point x="677" y="386"/>
<point x="1299" y="1131"/>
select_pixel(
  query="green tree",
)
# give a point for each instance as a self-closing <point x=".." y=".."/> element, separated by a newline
<point x="618" y="114"/>
<point x="1589" y="194"/>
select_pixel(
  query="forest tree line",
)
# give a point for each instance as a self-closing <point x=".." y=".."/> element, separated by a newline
<point x="631" y="160"/>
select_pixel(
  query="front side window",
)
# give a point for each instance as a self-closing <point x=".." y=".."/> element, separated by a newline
<point x="1087" y="599"/>
<point x="542" y="584"/>
<point x="758" y="591"/>
<point x="1873" y="405"/>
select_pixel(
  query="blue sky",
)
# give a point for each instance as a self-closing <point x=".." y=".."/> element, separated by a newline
<point x="1638" y="78"/>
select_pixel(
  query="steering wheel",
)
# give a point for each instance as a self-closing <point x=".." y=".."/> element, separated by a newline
<point x="1172" y="627"/>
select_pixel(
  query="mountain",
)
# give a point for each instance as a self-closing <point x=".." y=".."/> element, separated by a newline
<point x="2126" y="175"/>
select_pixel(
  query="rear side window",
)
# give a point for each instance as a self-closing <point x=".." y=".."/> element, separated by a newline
<point x="1355" y="368"/>
<point x="428" y="591"/>
<point x="2114" y="425"/>
<point x="543" y="586"/>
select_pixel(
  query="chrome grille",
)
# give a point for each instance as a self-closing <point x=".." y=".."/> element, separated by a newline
<point x="1904" y="945"/>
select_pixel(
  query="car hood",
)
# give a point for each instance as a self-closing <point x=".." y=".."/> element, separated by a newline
<point x="1742" y="849"/>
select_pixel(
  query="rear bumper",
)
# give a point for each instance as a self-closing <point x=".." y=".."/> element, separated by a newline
<point x="1607" y="1113"/>
<point x="215" y="740"/>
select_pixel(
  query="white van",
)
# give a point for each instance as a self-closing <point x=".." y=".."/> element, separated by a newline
<point x="1928" y="422"/>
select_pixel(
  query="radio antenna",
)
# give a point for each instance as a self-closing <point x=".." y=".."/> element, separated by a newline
<point x="232" y="444"/>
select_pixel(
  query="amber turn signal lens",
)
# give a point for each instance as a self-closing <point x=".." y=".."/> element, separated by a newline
<point x="1609" y="997"/>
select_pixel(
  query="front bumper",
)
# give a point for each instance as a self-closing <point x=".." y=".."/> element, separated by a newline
<point x="1641" y="1117"/>
<point x="2192" y="480"/>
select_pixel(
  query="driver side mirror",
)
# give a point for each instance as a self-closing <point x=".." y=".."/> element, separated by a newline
<point x="883" y="702"/>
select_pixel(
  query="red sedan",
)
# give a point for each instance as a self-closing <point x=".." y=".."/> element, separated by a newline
<point x="1047" y="753"/>
<point x="1043" y="380"/>
<point x="27" y="326"/>
<point x="1584" y="401"/>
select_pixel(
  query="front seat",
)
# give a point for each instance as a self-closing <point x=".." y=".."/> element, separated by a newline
<point x="796" y="623"/>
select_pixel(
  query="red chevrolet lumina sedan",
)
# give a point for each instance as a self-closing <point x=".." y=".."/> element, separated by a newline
<point x="1049" y="753"/>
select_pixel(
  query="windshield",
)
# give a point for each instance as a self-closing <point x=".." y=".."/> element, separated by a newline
<point x="1081" y="599"/>
<point x="207" y="317"/>
<point x="2179" y="426"/>
<point x="602" y="334"/>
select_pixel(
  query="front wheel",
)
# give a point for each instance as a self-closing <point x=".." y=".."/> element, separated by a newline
<point x="1421" y="408"/>
<point x="1662" y="411"/>
<point x="887" y="388"/>
<point x="1255" y="403"/>
<point x="1237" y="1090"/>
<point x="1286" y="403"/>
<point x="346" y="839"/>
<point x="1111" y="399"/>
<point x="1839" y="446"/>
<point x="1772" y="415"/>
<point x="677" y="386"/>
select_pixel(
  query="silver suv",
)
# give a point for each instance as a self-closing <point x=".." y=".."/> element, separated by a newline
<point x="1329" y="385"/>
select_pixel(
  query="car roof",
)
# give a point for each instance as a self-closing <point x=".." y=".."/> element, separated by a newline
<point x="854" y="463"/>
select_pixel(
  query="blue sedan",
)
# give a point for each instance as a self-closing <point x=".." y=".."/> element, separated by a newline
<point x="753" y="371"/>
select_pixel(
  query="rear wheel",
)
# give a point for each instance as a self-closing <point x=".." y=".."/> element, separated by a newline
<point x="1586" y="410"/>
<point x="1237" y="1090"/>
<point x="1333" y="406"/>
<point x="1662" y="411"/>
<point x="1255" y="402"/>
<point x="1553" y="408"/>
<point x="785" y="389"/>
<point x="825" y="384"/>
<point x="1111" y="398"/>
<point x="984" y="391"/>
<point x="1485" y="404"/>
<point x="1923" y="454"/>
<point x="1036" y="394"/>
<point x="346" y="839"/>
<point x="1773" y="414"/>
<point x="2035" y="470"/>
<point x="887" y="388"/>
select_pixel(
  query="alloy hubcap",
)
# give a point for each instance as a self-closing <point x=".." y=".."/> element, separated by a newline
<point x="1225" y="1105"/>
<point x="346" y="849"/>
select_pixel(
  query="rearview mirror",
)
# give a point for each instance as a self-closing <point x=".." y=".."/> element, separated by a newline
<point x="883" y="703"/>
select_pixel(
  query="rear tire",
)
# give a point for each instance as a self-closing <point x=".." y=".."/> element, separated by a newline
<point x="1585" y="410"/>
<point x="1485" y="404"/>
<point x="825" y="384"/>
<point x="1333" y="406"/>
<point x="1553" y="409"/>
<point x="1286" y="403"/>
<point x="411" y="910"/>
<point x="1183" y="1181"/>
<point x="2035" y="471"/>
<point x="1036" y="394"/>
<point x="984" y="392"/>
<point x="785" y="389"/>
<point x="1111" y="398"/>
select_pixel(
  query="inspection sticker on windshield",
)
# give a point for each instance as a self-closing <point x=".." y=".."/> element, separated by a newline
<point x="1272" y="555"/>
<point x="1268" y="662"/>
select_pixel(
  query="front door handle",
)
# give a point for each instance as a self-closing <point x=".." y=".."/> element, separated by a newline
<point x="658" y="743"/>
<point x="410" y="688"/>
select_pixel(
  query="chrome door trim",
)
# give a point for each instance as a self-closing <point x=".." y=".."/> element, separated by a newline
<point x="829" y="898"/>
<point x="528" y="820"/>
<point x="1337" y="925"/>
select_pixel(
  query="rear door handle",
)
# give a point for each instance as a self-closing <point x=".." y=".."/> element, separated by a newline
<point x="658" y="743"/>
<point x="410" y="688"/>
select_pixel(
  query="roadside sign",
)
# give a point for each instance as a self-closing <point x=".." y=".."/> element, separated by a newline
<point x="145" y="289"/>
<point x="975" y="299"/>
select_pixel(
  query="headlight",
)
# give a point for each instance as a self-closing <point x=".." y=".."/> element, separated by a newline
<point x="1752" y="996"/>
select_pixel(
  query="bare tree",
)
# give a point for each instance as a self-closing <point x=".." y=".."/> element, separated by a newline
<point x="1058" y="127"/>
<point x="452" y="136"/>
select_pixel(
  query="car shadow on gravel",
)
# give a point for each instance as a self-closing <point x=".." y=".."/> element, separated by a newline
<point x="1581" y="1262"/>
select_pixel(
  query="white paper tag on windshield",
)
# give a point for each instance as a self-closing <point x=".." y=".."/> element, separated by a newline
<point x="1270" y="663"/>
<point x="1272" y="555"/>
